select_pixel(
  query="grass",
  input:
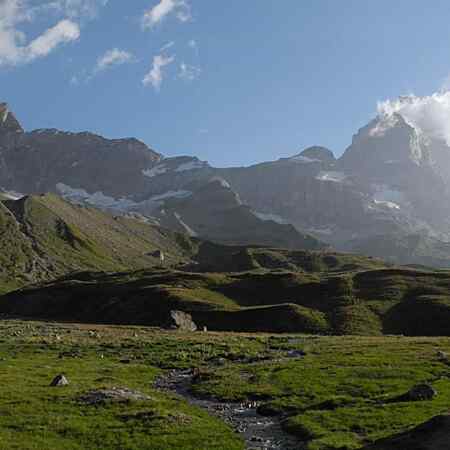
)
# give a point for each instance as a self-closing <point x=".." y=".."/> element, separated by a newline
<point x="335" y="397"/>
<point x="35" y="416"/>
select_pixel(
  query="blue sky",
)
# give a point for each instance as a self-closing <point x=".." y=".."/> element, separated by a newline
<point x="239" y="82"/>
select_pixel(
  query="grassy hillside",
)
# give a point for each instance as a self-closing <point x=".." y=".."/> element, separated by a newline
<point x="369" y="302"/>
<point x="44" y="237"/>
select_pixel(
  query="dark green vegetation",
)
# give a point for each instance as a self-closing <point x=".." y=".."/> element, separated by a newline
<point x="337" y="396"/>
<point x="364" y="302"/>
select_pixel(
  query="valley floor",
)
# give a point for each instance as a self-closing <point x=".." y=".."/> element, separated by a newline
<point x="143" y="388"/>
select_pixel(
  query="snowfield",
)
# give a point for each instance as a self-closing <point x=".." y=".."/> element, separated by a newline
<point x="191" y="165"/>
<point x="273" y="217"/>
<point x="304" y="159"/>
<point x="335" y="177"/>
<point x="155" y="171"/>
<point x="78" y="195"/>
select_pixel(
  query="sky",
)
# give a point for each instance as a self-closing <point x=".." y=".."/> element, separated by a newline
<point x="235" y="82"/>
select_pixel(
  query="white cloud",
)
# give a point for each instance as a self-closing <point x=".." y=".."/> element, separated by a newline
<point x="113" y="57"/>
<point x="188" y="72"/>
<point x="193" y="44"/>
<point x="63" y="32"/>
<point x="180" y="8"/>
<point x="13" y="47"/>
<point x="155" y="76"/>
<point x="429" y="115"/>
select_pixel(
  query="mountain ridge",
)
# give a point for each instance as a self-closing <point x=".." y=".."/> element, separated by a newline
<point x="387" y="183"/>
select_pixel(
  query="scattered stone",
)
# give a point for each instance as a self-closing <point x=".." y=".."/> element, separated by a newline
<point x="182" y="321"/>
<point x="442" y="356"/>
<point x="112" y="395"/>
<point x="420" y="392"/>
<point x="59" y="380"/>
<point x="295" y="354"/>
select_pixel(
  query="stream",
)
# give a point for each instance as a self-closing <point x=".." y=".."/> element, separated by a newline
<point x="258" y="432"/>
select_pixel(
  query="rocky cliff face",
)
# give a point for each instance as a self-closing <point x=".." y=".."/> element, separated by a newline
<point x="52" y="161"/>
<point x="392" y="181"/>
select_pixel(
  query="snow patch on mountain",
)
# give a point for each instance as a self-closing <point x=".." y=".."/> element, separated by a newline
<point x="5" y="115"/>
<point x="335" y="177"/>
<point x="185" y="226"/>
<point x="224" y="183"/>
<point x="170" y="194"/>
<point x="155" y="171"/>
<point x="320" y="231"/>
<point x="273" y="217"/>
<point x="191" y="165"/>
<point x="98" y="199"/>
<point x="303" y="159"/>
<point x="388" y="197"/>
<point x="390" y="205"/>
<point x="12" y="195"/>
<point x="385" y="123"/>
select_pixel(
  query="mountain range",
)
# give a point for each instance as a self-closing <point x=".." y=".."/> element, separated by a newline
<point x="387" y="195"/>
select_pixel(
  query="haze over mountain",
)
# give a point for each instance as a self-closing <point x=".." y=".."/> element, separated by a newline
<point x="386" y="196"/>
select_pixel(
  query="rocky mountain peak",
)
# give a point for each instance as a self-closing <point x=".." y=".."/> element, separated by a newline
<point x="8" y="122"/>
<point x="385" y="141"/>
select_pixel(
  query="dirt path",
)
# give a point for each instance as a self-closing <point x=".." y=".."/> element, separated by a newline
<point x="259" y="433"/>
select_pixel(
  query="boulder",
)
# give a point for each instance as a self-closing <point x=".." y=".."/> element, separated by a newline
<point x="59" y="380"/>
<point x="182" y="321"/>
<point x="420" y="392"/>
<point x="423" y="391"/>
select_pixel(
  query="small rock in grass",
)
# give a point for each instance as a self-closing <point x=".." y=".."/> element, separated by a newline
<point x="112" y="395"/>
<point x="59" y="380"/>
<point x="420" y="392"/>
<point x="423" y="391"/>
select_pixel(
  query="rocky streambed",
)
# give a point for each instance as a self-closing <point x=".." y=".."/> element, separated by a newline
<point x="258" y="432"/>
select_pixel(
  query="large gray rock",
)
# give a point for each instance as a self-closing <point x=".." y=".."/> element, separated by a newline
<point x="182" y="321"/>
